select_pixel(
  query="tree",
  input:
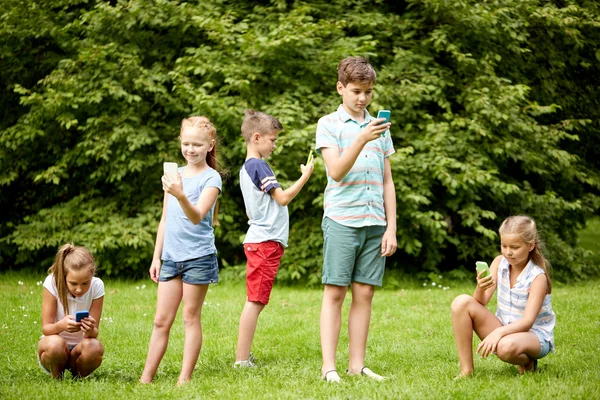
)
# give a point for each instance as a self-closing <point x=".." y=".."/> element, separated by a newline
<point x="481" y="130"/>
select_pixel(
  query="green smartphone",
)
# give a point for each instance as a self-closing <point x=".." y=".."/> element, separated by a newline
<point x="482" y="266"/>
<point x="310" y="157"/>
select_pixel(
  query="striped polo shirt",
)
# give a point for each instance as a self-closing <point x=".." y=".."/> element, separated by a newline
<point x="357" y="200"/>
<point x="512" y="301"/>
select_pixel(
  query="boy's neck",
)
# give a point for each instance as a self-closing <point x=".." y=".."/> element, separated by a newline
<point x="252" y="153"/>
<point x="358" y="116"/>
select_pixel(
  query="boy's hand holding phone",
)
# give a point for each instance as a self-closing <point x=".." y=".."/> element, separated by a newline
<point x="385" y="114"/>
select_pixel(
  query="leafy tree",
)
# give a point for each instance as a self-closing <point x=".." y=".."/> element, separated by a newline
<point x="494" y="111"/>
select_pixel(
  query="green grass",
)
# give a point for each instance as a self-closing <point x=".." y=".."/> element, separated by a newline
<point x="410" y="342"/>
<point x="589" y="238"/>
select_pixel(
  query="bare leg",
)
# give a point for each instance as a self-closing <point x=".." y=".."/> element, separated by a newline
<point x="54" y="354"/>
<point x="469" y="315"/>
<point x="193" y="298"/>
<point x="519" y="349"/>
<point x="358" y="325"/>
<point x="86" y="357"/>
<point x="331" y="320"/>
<point x="248" y="322"/>
<point x="168" y="299"/>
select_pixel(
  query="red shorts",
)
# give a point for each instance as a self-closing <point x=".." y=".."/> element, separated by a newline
<point x="261" y="268"/>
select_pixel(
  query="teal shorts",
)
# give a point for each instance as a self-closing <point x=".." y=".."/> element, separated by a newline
<point x="352" y="254"/>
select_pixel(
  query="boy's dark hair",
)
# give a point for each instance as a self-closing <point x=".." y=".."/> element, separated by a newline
<point x="356" y="69"/>
<point x="259" y="122"/>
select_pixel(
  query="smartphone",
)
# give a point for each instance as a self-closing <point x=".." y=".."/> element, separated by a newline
<point x="310" y="157"/>
<point x="79" y="315"/>
<point x="170" y="169"/>
<point x="482" y="266"/>
<point x="384" y="114"/>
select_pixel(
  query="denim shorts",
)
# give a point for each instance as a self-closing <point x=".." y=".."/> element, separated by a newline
<point x="199" y="271"/>
<point x="545" y="348"/>
<point x="352" y="254"/>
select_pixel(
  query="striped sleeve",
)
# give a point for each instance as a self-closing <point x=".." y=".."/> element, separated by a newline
<point x="261" y="174"/>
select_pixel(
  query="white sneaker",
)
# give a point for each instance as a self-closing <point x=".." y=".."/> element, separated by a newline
<point x="331" y="376"/>
<point x="249" y="363"/>
<point x="370" y="374"/>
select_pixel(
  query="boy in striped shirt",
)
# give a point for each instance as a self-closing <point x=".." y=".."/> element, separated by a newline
<point x="359" y="220"/>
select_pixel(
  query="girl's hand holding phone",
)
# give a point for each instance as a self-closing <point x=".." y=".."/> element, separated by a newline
<point x="173" y="187"/>
<point x="70" y="324"/>
<point x="484" y="281"/>
<point x="88" y="323"/>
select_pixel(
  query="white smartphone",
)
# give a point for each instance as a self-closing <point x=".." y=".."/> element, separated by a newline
<point x="170" y="169"/>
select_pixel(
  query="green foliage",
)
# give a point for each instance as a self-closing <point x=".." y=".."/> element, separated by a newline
<point x="494" y="111"/>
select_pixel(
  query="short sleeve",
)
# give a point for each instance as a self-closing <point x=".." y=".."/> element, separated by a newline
<point x="97" y="288"/>
<point x="325" y="135"/>
<point x="214" y="181"/>
<point x="49" y="284"/>
<point x="261" y="174"/>
<point x="388" y="145"/>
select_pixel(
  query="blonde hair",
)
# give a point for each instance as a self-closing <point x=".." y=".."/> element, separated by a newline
<point x="70" y="258"/>
<point x="259" y="122"/>
<point x="356" y="70"/>
<point x="525" y="227"/>
<point x="204" y="125"/>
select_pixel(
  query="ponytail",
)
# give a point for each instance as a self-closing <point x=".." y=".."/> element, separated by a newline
<point x="69" y="258"/>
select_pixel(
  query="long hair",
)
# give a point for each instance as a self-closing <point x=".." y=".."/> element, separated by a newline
<point x="525" y="227"/>
<point x="204" y="124"/>
<point x="69" y="258"/>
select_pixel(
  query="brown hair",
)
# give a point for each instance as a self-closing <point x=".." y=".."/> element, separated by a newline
<point x="259" y="122"/>
<point x="203" y="124"/>
<point x="526" y="229"/>
<point x="356" y="70"/>
<point x="69" y="258"/>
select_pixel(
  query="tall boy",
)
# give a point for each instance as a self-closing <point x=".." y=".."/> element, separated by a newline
<point x="266" y="207"/>
<point x="359" y="220"/>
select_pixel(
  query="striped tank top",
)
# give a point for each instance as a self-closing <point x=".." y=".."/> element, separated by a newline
<point x="512" y="301"/>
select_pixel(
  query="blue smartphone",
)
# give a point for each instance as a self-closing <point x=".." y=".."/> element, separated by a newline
<point x="79" y="315"/>
<point x="384" y="114"/>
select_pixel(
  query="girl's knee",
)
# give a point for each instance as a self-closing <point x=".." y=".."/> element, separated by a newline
<point x="460" y="303"/>
<point x="92" y="348"/>
<point x="54" y="346"/>
<point x="507" y="348"/>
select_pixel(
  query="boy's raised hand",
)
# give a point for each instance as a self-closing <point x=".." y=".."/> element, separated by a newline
<point x="308" y="168"/>
<point x="374" y="129"/>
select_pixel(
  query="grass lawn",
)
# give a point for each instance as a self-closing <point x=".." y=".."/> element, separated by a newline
<point x="410" y="342"/>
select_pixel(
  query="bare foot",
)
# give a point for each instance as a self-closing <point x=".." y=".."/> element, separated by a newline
<point x="463" y="375"/>
<point x="530" y="366"/>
